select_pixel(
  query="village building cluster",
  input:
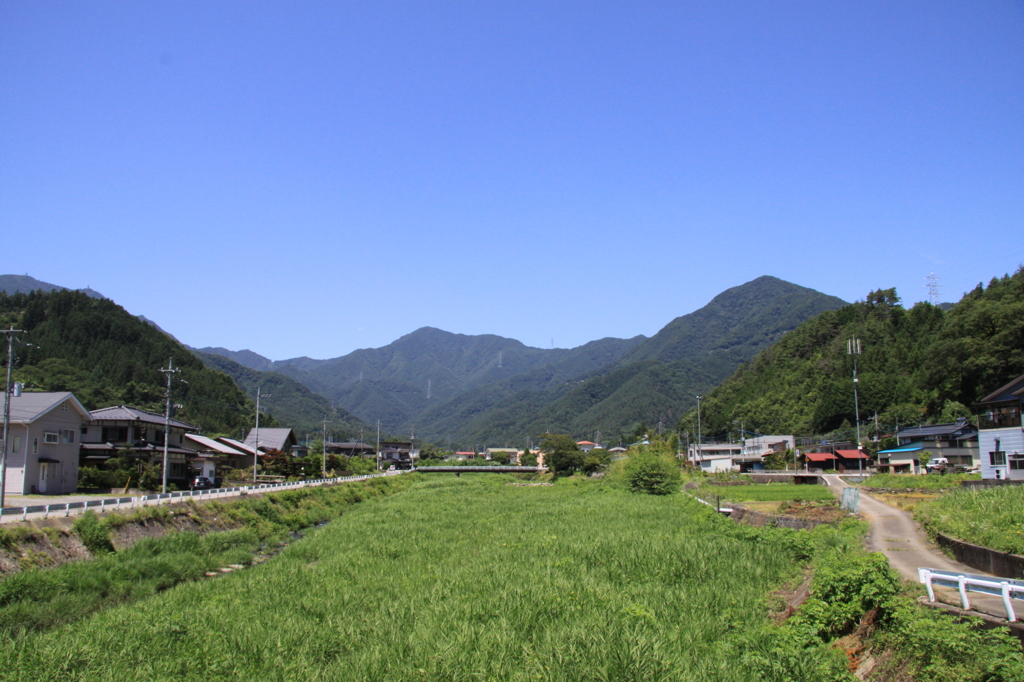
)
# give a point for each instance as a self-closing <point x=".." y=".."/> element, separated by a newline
<point x="52" y="435"/>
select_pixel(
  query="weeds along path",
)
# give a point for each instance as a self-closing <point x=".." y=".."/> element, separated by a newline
<point x="463" y="579"/>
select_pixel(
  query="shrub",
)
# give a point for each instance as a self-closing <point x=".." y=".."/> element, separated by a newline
<point x="654" y="474"/>
<point x="93" y="532"/>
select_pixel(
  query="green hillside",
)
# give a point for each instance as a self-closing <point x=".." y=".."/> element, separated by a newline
<point x="107" y="356"/>
<point x="289" y="402"/>
<point x="657" y="380"/>
<point x="409" y="382"/>
<point x="919" y="365"/>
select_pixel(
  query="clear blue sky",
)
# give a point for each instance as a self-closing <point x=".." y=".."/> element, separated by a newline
<point x="308" y="178"/>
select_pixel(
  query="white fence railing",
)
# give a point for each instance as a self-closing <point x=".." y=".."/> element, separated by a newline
<point x="8" y="514"/>
<point x="967" y="582"/>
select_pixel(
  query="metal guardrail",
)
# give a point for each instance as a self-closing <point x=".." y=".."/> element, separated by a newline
<point x="968" y="582"/>
<point x="118" y="503"/>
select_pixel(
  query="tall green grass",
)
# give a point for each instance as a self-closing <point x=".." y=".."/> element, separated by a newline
<point x="991" y="517"/>
<point x="460" y="579"/>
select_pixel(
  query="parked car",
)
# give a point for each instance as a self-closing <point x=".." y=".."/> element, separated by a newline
<point x="201" y="483"/>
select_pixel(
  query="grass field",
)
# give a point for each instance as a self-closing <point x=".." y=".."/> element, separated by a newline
<point x="767" y="492"/>
<point x="991" y="517"/>
<point x="460" y="579"/>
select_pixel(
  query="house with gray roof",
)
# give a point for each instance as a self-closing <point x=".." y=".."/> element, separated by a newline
<point x="956" y="441"/>
<point x="138" y="433"/>
<point x="272" y="439"/>
<point x="42" y="452"/>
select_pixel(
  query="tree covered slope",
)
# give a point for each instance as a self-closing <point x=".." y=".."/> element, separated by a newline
<point x="918" y="365"/>
<point x="106" y="356"/>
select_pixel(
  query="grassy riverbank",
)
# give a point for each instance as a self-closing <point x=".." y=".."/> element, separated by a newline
<point x="220" y="533"/>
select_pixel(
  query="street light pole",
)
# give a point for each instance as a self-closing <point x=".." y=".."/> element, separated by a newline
<point x="853" y="348"/>
<point x="7" y="410"/>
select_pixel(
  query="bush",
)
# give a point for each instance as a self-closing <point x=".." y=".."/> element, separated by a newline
<point x="93" y="532"/>
<point x="653" y="474"/>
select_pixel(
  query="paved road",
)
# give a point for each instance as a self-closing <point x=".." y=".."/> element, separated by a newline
<point x="895" y="534"/>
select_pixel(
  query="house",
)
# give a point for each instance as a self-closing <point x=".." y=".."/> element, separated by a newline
<point x="957" y="441"/>
<point x="212" y="452"/>
<point x="139" y="434"/>
<point x="350" y="449"/>
<point x="1000" y="437"/>
<point x="760" y="447"/>
<point x="852" y="460"/>
<point x="513" y="453"/>
<point x="272" y="439"/>
<point x="586" y="445"/>
<point x="42" y="453"/>
<point x="711" y="457"/>
<point x="899" y="460"/>
<point x="820" y="460"/>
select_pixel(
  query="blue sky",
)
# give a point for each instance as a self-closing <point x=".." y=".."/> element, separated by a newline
<point x="310" y="178"/>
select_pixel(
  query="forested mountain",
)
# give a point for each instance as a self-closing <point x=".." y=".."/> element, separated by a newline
<point x="489" y="389"/>
<point x="658" y="379"/>
<point x="919" y="365"/>
<point x="402" y="383"/>
<point x="107" y="356"/>
<point x="290" y="402"/>
<point x="23" y="284"/>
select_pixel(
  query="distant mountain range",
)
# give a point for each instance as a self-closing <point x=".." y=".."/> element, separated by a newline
<point x="487" y="389"/>
<point x="23" y="284"/>
<point x="490" y="389"/>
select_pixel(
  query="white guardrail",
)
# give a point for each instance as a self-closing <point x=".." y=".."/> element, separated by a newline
<point x="968" y="582"/>
<point x="8" y="514"/>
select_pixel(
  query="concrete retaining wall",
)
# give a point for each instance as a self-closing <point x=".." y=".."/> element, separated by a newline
<point x="759" y="519"/>
<point x="989" y="483"/>
<point x="1002" y="564"/>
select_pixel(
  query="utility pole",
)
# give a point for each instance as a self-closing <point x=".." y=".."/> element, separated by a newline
<point x="11" y="332"/>
<point x="169" y="371"/>
<point x="323" y="468"/>
<point x="378" y="445"/>
<point x="853" y="348"/>
<point x="256" y="441"/>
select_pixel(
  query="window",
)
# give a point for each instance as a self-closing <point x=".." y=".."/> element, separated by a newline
<point x="50" y="437"/>
<point x="17" y="443"/>
<point x="67" y="435"/>
<point x="1017" y="462"/>
<point x="997" y="458"/>
<point x="85" y="430"/>
<point x="35" y="445"/>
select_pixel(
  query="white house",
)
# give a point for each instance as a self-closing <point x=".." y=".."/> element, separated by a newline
<point x="1000" y="437"/>
<point x="42" y="456"/>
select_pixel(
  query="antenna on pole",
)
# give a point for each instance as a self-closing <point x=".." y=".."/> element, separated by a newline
<point x="933" y="288"/>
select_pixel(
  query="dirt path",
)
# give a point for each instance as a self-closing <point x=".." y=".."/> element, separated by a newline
<point x="895" y="534"/>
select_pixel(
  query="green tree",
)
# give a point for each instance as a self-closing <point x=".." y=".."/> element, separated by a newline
<point x="596" y="460"/>
<point x="529" y="458"/>
<point x="501" y="457"/>
<point x="561" y="454"/>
